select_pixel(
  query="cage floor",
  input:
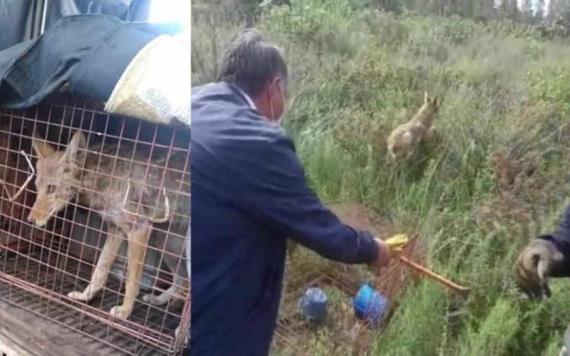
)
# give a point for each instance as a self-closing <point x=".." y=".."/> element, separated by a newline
<point x="40" y="288"/>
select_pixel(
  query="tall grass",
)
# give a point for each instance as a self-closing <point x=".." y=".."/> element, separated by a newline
<point x="356" y="74"/>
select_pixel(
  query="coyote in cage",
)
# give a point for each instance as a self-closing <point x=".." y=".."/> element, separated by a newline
<point x="139" y="193"/>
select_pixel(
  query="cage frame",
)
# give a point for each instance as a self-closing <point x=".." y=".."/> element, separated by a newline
<point x="143" y="336"/>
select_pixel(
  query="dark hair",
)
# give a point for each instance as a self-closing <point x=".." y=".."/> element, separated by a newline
<point x="251" y="61"/>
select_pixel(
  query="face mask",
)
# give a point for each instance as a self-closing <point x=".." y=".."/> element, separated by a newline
<point x="279" y="121"/>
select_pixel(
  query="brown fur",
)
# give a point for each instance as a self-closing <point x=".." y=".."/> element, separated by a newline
<point x="404" y="139"/>
<point x="127" y="192"/>
<point x="534" y="264"/>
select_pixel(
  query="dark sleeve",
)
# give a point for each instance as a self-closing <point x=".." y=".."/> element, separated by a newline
<point x="277" y="192"/>
<point x="561" y="239"/>
<point x="562" y="235"/>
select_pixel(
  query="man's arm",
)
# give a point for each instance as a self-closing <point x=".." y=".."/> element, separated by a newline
<point x="561" y="239"/>
<point x="278" y="193"/>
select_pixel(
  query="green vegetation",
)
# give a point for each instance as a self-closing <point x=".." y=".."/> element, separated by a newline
<point x="356" y="73"/>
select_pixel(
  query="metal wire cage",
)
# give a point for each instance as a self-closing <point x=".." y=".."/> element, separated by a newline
<point x="94" y="212"/>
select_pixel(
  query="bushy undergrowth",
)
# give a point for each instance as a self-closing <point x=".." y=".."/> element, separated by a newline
<point x="356" y="73"/>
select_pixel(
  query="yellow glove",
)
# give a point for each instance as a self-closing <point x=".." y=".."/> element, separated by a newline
<point x="397" y="242"/>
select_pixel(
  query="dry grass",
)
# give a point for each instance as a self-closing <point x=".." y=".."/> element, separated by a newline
<point x="342" y="333"/>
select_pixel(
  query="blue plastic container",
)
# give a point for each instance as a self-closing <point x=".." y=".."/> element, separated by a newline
<point x="370" y="305"/>
<point x="313" y="305"/>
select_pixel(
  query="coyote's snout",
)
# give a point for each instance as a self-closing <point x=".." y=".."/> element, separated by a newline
<point x="133" y="190"/>
<point x="40" y="213"/>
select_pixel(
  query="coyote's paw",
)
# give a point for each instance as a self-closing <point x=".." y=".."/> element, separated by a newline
<point x="120" y="312"/>
<point x="81" y="296"/>
<point x="151" y="299"/>
<point x="157" y="300"/>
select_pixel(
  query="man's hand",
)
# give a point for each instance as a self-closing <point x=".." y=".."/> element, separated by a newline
<point x="534" y="266"/>
<point x="384" y="255"/>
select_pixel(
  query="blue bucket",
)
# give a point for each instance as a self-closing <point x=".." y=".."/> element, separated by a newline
<point x="313" y="305"/>
<point x="370" y="305"/>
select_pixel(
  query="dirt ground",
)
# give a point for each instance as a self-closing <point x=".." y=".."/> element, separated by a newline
<point x="342" y="332"/>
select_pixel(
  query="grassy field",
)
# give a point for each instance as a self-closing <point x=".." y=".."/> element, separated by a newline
<point x="497" y="176"/>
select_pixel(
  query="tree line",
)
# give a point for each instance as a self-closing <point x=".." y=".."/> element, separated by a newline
<point x="552" y="17"/>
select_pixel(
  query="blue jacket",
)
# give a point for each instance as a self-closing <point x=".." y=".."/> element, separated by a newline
<point x="248" y="195"/>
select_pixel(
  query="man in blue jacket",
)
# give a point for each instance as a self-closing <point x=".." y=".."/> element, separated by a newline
<point x="546" y="256"/>
<point x="249" y="194"/>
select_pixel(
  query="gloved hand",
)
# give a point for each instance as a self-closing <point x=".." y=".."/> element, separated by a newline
<point x="384" y="255"/>
<point x="388" y="249"/>
<point x="538" y="261"/>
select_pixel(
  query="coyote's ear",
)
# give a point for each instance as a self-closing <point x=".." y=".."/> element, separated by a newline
<point x="42" y="149"/>
<point x="436" y="102"/>
<point x="426" y="97"/>
<point x="75" y="150"/>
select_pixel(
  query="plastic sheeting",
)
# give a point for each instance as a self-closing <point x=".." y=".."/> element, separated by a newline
<point x="20" y="20"/>
<point x="89" y="53"/>
<point x="156" y="84"/>
<point x="126" y="10"/>
<point x="15" y="26"/>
